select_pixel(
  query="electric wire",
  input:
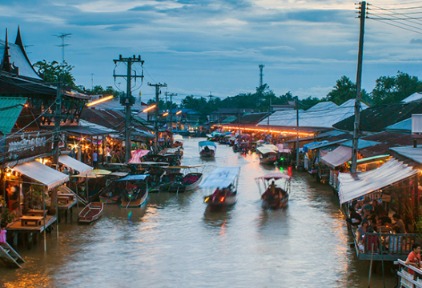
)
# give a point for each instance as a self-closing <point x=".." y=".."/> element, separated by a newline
<point x="401" y="20"/>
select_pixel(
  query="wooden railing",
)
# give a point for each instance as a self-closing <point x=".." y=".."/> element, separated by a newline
<point x="409" y="276"/>
<point x="384" y="246"/>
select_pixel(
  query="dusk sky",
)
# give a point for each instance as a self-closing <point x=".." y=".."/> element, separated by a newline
<point x="213" y="46"/>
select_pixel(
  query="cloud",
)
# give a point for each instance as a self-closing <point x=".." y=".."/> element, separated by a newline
<point x="215" y="45"/>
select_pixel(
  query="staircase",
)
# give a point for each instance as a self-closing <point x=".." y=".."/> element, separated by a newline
<point x="66" y="189"/>
<point x="10" y="256"/>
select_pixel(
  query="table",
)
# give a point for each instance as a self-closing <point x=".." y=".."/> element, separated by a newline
<point x="65" y="198"/>
<point x="31" y="220"/>
<point x="37" y="212"/>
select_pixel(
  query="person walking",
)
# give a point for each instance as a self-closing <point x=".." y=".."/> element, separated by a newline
<point x="95" y="159"/>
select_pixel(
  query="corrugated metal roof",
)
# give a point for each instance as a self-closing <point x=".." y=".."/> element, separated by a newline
<point x="375" y="119"/>
<point x="362" y="144"/>
<point x="410" y="152"/>
<point x="10" y="109"/>
<point x="405" y="125"/>
<point x="322" y="115"/>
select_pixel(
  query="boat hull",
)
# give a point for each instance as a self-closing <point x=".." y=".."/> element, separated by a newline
<point x="138" y="202"/>
<point x="276" y="199"/>
<point x="91" y="212"/>
<point x="212" y="201"/>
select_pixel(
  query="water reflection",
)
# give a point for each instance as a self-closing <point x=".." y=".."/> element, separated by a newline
<point x="217" y="216"/>
<point x="178" y="242"/>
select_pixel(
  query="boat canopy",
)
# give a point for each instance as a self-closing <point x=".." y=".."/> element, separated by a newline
<point x="177" y="137"/>
<point x="265" y="150"/>
<point x="275" y="176"/>
<point x="184" y="167"/>
<point x="366" y="182"/>
<point x="150" y="163"/>
<point x="207" y="143"/>
<point x="221" y="177"/>
<point x="136" y="177"/>
<point x="137" y="155"/>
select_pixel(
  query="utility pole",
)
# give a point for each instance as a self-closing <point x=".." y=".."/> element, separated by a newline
<point x="157" y="109"/>
<point x="171" y="104"/>
<point x="358" y="89"/>
<point x="297" y="132"/>
<point x="92" y="82"/>
<point x="58" y="110"/>
<point x="129" y="100"/>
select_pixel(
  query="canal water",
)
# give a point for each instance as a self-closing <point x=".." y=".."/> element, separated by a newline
<point x="176" y="242"/>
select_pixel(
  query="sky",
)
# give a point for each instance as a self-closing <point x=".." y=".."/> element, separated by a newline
<point x="215" y="47"/>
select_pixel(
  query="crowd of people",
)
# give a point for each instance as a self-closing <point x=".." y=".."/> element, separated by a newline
<point x="370" y="216"/>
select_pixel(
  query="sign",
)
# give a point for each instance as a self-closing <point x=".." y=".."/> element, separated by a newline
<point x="26" y="145"/>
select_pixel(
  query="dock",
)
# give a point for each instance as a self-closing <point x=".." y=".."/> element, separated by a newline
<point x="28" y="226"/>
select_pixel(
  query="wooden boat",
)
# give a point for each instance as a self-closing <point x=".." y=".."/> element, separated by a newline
<point x="134" y="190"/>
<point x="207" y="149"/>
<point x="109" y="194"/>
<point x="276" y="187"/>
<point x="220" y="187"/>
<point x="268" y="154"/>
<point x="91" y="212"/>
<point x="180" y="179"/>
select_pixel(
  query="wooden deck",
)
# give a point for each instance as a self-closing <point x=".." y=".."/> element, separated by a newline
<point x="384" y="246"/>
<point x="39" y="227"/>
<point x="29" y="233"/>
<point x="66" y="208"/>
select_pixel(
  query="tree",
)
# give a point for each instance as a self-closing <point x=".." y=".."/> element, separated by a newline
<point x="345" y="90"/>
<point x="55" y="72"/>
<point x="394" y="89"/>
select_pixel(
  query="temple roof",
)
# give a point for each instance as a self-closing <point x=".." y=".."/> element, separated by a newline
<point x="14" y="56"/>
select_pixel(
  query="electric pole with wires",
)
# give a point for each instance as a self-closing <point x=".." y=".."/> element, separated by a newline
<point x="157" y="109"/>
<point x="58" y="109"/>
<point x="128" y="100"/>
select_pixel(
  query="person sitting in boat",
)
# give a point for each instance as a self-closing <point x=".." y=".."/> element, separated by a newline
<point x="270" y="193"/>
<point x="206" y="149"/>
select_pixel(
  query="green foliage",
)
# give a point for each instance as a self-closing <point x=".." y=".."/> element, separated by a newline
<point x="394" y="89"/>
<point x="308" y="102"/>
<point x="55" y="72"/>
<point x="6" y="217"/>
<point x="345" y="90"/>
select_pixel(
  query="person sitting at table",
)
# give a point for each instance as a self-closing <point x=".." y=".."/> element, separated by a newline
<point x="354" y="217"/>
<point x="414" y="257"/>
<point x="360" y="235"/>
<point x="399" y="225"/>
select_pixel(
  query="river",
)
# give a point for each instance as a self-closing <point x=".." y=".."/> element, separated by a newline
<point x="176" y="242"/>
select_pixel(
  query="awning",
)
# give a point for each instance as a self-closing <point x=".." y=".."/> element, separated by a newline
<point x="367" y="182"/>
<point x="70" y="162"/>
<point x="337" y="157"/>
<point x="41" y="173"/>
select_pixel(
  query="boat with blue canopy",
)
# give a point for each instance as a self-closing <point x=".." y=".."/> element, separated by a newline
<point x="134" y="189"/>
<point x="207" y="149"/>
